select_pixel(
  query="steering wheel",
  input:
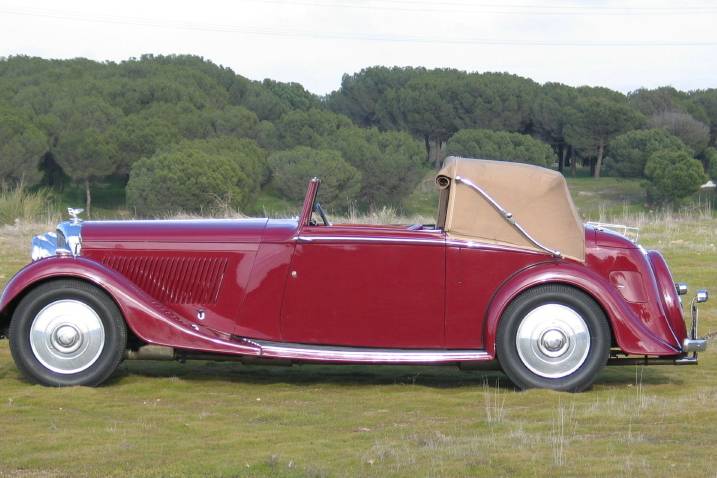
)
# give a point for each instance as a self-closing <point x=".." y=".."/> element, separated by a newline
<point x="320" y="210"/>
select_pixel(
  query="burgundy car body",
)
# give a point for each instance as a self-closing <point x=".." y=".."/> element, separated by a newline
<point x="294" y="290"/>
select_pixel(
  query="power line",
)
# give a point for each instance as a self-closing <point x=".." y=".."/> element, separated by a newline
<point x="579" y="6"/>
<point x="313" y="34"/>
<point x="500" y="9"/>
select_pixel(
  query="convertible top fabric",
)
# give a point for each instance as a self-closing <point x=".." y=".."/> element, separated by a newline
<point x="537" y="197"/>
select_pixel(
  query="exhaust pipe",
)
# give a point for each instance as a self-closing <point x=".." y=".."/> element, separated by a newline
<point x="160" y="352"/>
<point x="150" y="352"/>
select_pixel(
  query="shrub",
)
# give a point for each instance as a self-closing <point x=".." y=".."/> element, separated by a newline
<point x="500" y="146"/>
<point x="247" y="154"/>
<point x="391" y="163"/>
<point x="672" y="176"/>
<point x="628" y="152"/>
<point x="292" y="169"/>
<point x="198" y="175"/>
<point x="186" y="180"/>
<point x="309" y="128"/>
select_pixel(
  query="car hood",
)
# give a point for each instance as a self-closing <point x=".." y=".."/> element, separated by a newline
<point x="197" y="231"/>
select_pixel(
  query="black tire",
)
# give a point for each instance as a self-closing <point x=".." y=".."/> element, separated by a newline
<point x="99" y="366"/>
<point x="595" y="348"/>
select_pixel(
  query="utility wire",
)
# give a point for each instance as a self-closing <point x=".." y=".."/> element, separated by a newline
<point x="314" y="34"/>
<point x="501" y="9"/>
<point x="578" y="6"/>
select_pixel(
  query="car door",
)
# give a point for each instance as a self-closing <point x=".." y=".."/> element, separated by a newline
<point x="366" y="286"/>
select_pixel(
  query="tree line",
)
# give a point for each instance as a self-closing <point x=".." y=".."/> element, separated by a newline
<point x="184" y="133"/>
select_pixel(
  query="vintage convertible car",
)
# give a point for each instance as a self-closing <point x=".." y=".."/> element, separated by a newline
<point x="533" y="291"/>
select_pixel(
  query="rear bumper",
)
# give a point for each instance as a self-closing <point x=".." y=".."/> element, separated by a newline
<point x="692" y="344"/>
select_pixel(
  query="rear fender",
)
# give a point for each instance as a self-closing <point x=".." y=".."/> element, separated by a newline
<point x="631" y="334"/>
<point x="148" y="318"/>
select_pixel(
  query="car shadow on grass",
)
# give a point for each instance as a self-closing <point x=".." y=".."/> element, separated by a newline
<point x="309" y="374"/>
<point x="358" y="375"/>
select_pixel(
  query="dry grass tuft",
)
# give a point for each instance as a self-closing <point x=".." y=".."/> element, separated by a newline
<point x="18" y="205"/>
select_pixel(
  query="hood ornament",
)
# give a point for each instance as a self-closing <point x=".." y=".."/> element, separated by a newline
<point x="74" y="214"/>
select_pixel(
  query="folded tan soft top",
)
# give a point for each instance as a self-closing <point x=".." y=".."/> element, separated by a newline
<point x="538" y="199"/>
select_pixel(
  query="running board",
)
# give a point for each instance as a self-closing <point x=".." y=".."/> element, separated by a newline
<point x="327" y="353"/>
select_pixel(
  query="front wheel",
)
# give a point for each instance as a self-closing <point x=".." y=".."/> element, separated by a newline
<point x="555" y="337"/>
<point x="67" y="332"/>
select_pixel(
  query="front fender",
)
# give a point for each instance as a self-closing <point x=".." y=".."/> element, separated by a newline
<point x="631" y="334"/>
<point x="148" y="318"/>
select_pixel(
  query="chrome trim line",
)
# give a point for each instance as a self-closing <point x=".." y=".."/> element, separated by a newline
<point x="486" y="245"/>
<point x="252" y="343"/>
<point x="507" y="216"/>
<point x="365" y="355"/>
<point x="399" y="240"/>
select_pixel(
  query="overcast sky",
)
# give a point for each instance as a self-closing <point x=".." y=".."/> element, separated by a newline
<point x="619" y="44"/>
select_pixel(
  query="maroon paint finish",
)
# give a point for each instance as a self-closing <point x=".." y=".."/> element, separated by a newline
<point x="133" y="234"/>
<point x="180" y="265"/>
<point x="215" y="285"/>
<point x="149" y="319"/>
<point x="623" y="255"/>
<point x="630" y="284"/>
<point x="473" y="274"/>
<point x="366" y="286"/>
<point x="668" y="293"/>
<point x="631" y="334"/>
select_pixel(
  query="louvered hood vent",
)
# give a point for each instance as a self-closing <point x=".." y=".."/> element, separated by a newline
<point x="172" y="279"/>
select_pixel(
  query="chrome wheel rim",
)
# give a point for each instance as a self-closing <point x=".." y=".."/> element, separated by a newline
<point x="553" y="341"/>
<point x="67" y="336"/>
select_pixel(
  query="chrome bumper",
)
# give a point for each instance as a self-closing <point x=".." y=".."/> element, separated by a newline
<point x="692" y="344"/>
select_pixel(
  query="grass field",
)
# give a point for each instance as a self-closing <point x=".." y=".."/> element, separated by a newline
<point x="210" y="419"/>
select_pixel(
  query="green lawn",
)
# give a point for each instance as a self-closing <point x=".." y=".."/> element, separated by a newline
<point x="211" y="419"/>
<point x="606" y="196"/>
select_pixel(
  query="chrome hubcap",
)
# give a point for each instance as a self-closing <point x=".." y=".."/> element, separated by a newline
<point x="67" y="336"/>
<point x="553" y="340"/>
<point x="553" y="343"/>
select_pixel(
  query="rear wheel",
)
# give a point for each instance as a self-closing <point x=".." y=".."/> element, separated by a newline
<point x="555" y="337"/>
<point x="67" y="332"/>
